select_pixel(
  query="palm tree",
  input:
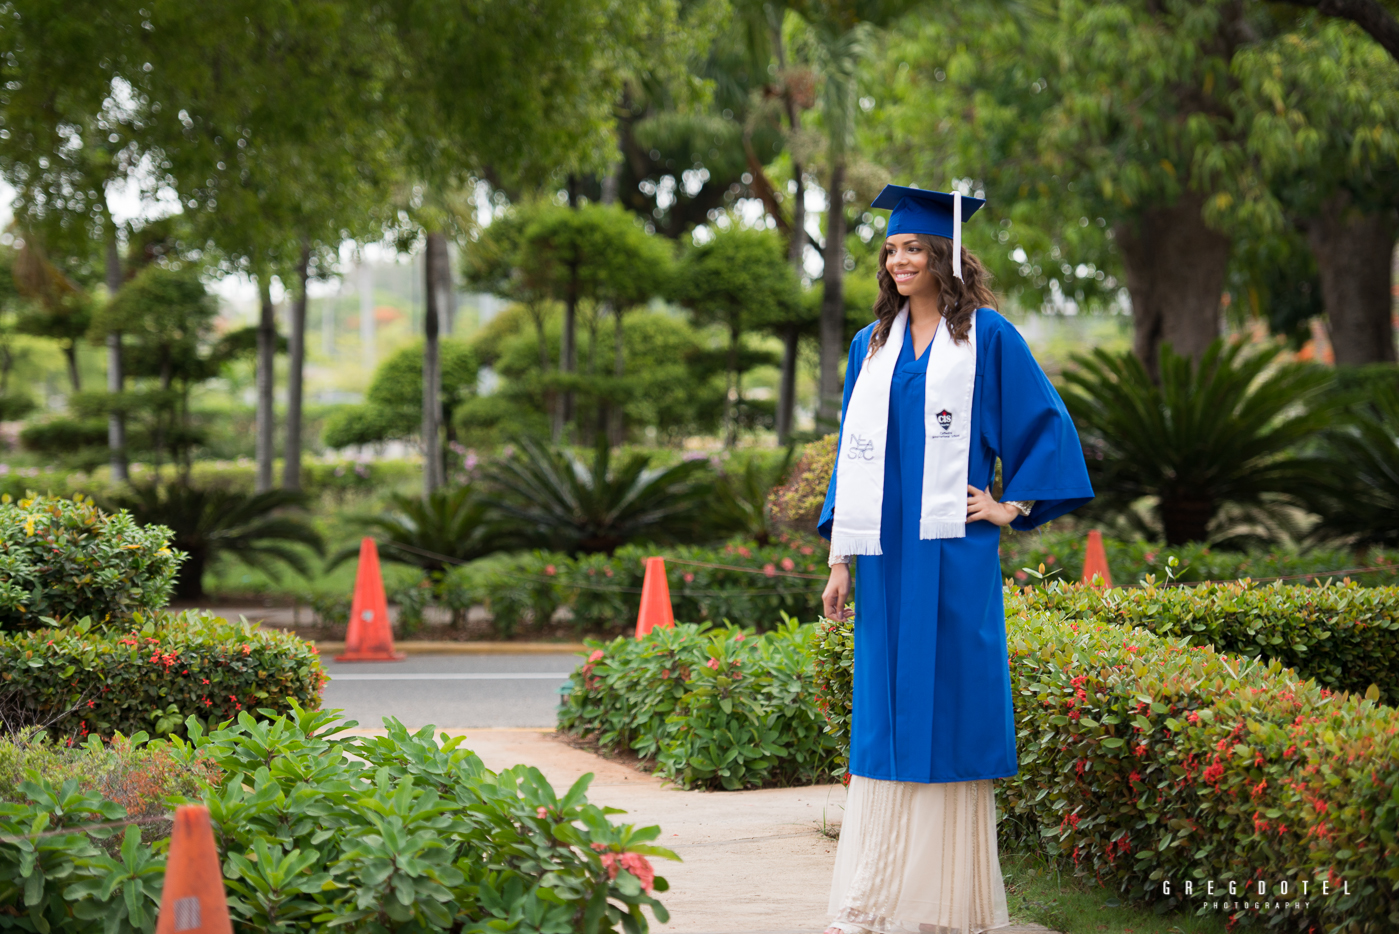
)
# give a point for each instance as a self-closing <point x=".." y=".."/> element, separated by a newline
<point x="1363" y="505"/>
<point x="255" y="528"/>
<point x="1226" y="432"/>
<point x="451" y="526"/>
<point x="562" y="503"/>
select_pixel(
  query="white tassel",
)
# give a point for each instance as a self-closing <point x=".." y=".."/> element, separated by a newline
<point x="957" y="234"/>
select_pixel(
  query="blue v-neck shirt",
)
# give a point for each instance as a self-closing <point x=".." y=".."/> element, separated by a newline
<point x="932" y="679"/>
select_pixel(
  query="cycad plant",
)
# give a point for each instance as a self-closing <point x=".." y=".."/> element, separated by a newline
<point x="557" y="501"/>
<point x="453" y="525"/>
<point x="1362" y="502"/>
<point x="1226" y="432"/>
<point x="263" y="530"/>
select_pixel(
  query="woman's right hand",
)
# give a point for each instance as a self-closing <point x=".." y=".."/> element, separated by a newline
<point x="837" y="593"/>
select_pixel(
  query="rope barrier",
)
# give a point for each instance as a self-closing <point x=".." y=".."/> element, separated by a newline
<point x="16" y="838"/>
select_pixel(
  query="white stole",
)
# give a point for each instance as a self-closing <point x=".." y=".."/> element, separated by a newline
<point x="947" y="409"/>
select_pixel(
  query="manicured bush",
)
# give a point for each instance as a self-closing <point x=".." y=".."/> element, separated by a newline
<point x="390" y="833"/>
<point x="66" y="559"/>
<point x="712" y="708"/>
<point x="1147" y="760"/>
<point x="1345" y="636"/>
<point x="797" y="503"/>
<point x="152" y="677"/>
<point x="1061" y="552"/>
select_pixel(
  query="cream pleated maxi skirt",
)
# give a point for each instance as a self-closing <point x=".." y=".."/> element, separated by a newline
<point x="918" y="858"/>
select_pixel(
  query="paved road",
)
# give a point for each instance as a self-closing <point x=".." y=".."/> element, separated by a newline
<point x="451" y="691"/>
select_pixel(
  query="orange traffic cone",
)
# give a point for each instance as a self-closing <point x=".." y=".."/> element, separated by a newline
<point x="655" y="599"/>
<point x="1095" y="562"/>
<point x="369" y="638"/>
<point x="193" y="899"/>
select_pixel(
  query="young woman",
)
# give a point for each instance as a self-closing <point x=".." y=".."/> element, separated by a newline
<point x="937" y="390"/>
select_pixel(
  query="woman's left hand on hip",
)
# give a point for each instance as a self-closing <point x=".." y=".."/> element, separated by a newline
<point x="981" y="505"/>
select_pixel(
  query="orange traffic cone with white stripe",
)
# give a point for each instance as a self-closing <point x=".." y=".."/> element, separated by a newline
<point x="1095" y="562"/>
<point x="369" y="638"/>
<point x="656" y="611"/>
<point x="193" y="897"/>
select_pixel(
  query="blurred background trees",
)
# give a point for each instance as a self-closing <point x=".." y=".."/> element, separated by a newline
<point x="277" y="231"/>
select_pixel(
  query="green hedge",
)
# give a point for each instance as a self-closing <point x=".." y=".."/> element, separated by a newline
<point x="401" y="832"/>
<point x="166" y="668"/>
<point x="712" y="708"/>
<point x="1130" y="561"/>
<point x="1345" y="636"/>
<point x="601" y="593"/>
<point x="66" y="559"/>
<point x="1147" y="760"/>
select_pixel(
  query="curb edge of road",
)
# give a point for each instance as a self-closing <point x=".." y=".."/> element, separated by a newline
<point x="430" y="647"/>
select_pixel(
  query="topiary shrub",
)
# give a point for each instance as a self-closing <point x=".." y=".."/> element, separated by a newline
<point x="1185" y="777"/>
<point x="66" y="559"/>
<point x="153" y="677"/>
<point x="796" y="504"/>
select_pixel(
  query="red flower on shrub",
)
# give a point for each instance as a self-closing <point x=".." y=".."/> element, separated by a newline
<point x="1193" y="717"/>
<point x="551" y="570"/>
<point x="807" y="549"/>
<point x="770" y="569"/>
<point x="689" y="578"/>
<point x="596" y="656"/>
<point x="713" y="663"/>
<point x="744" y="552"/>
<point x="639" y="866"/>
<point x="788" y="564"/>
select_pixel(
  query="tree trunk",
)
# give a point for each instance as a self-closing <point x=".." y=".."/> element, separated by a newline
<point x="787" y="385"/>
<point x="116" y="422"/>
<point x="833" y="304"/>
<point x="1175" y="274"/>
<point x="1185" y="517"/>
<point x="731" y="411"/>
<point x="435" y="258"/>
<point x="616" y="426"/>
<point x="366" y="316"/>
<point x="296" y="361"/>
<point x="266" y="360"/>
<point x="189" y="584"/>
<point x="70" y="356"/>
<point x="1355" y="254"/>
<point x="568" y="359"/>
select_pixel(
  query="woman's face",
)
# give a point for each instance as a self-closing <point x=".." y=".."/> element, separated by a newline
<point x="907" y="261"/>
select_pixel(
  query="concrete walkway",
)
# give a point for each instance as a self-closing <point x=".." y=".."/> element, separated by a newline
<point x="755" y="862"/>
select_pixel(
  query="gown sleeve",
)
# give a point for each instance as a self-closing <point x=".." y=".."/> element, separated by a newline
<point x="1032" y="433"/>
<point x="852" y="371"/>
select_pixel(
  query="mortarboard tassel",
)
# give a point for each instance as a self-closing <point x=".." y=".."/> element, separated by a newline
<point x="957" y="234"/>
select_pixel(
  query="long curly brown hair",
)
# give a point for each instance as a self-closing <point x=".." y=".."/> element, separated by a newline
<point x="959" y="298"/>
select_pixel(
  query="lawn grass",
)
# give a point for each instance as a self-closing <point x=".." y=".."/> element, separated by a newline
<point x="1038" y="892"/>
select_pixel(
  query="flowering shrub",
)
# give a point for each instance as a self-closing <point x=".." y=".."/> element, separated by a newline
<point x="152" y="677"/>
<point x="712" y="708"/>
<point x="397" y="832"/>
<point x="1131" y="561"/>
<point x="66" y="559"/>
<point x="1147" y="760"/>
<point x="1346" y="636"/>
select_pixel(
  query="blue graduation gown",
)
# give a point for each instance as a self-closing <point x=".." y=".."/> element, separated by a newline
<point x="932" y="678"/>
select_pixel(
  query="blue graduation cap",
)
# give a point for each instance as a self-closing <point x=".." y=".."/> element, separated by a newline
<point x="936" y="213"/>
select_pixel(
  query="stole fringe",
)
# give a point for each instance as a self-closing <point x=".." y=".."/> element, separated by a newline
<point x="844" y="544"/>
<point x="941" y="528"/>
